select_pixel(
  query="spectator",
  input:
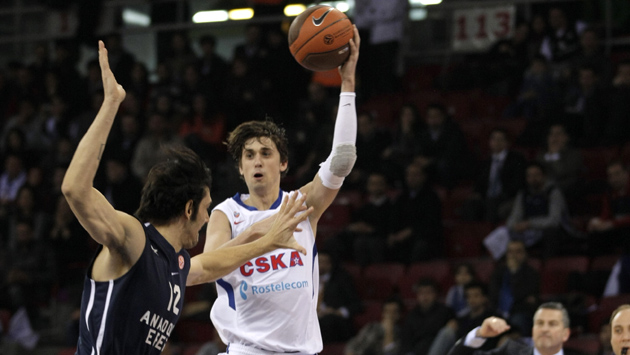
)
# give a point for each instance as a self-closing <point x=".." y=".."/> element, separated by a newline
<point x="539" y="214"/>
<point x="213" y="68"/>
<point x="585" y="107"/>
<point x="120" y="60"/>
<point x="28" y="273"/>
<point x="514" y="288"/>
<point x="535" y="97"/>
<point x="456" y="296"/>
<point x="425" y="320"/>
<point x="384" y="21"/>
<point x="121" y="188"/>
<point x="608" y="231"/>
<point x="367" y="231"/>
<point x="25" y="209"/>
<point x="140" y="85"/>
<point x="253" y="50"/>
<point x="444" y="144"/>
<point x="618" y="107"/>
<point x="405" y="143"/>
<point x="338" y="300"/>
<point x="380" y="337"/>
<point x="72" y="249"/>
<point x="562" y="41"/>
<point x="498" y="181"/>
<point x="11" y="179"/>
<point x="591" y="54"/>
<point x="27" y="121"/>
<point x="179" y="55"/>
<point x="562" y="163"/>
<point x="479" y="309"/>
<point x="371" y="143"/>
<point x="148" y="152"/>
<point x="203" y="129"/>
<point x="416" y="220"/>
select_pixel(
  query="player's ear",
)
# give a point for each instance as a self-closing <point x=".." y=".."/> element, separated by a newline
<point x="283" y="166"/>
<point x="189" y="209"/>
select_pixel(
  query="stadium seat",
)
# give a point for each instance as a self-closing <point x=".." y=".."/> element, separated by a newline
<point x="191" y="349"/>
<point x="67" y="351"/>
<point x="333" y="349"/>
<point x="193" y="331"/>
<point x="353" y="269"/>
<point x="464" y="239"/>
<point x="372" y="311"/>
<point x="336" y="215"/>
<point x="603" y="262"/>
<point x="587" y="344"/>
<point x="596" y="159"/>
<point x="554" y="276"/>
<point x="378" y="281"/>
<point x="439" y="270"/>
<point x="483" y="267"/>
<point x="606" y="306"/>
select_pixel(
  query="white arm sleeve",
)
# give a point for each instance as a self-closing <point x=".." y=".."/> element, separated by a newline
<point x="343" y="155"/>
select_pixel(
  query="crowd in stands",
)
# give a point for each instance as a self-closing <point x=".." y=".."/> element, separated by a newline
<point x="526" y="147"/>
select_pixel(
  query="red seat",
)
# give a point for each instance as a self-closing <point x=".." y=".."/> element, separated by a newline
<point x="67" y="351"/>
<point x="194" y="331"/>
<point x="596" y="159"/>
<point x="460" y="104"/>
<point x="378" y="281"/>
<point x="603" y="262"/>
<point x="586" y="344"/>
<point x="491" y="107"/>
<point x="483" y="267"/>
<point x="606" y="306"/>
<point x="336" y="215"/>
<point x="555" y="273"/>
<point x="353" y="269"/>
<point x="372" y="311"/>
<point x="465" y="239"/>
<point x="191" y="349"/>
<point x="333" y="349"/>
<point x="439" y="270"/>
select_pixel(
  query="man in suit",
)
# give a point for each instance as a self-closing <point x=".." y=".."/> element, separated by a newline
<point x="620" y="324"/>
<point x="498" y="181"/>
<point x="549" y="332"/>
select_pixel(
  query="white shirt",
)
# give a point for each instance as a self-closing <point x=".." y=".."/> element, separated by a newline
<point x="269" y="304"/>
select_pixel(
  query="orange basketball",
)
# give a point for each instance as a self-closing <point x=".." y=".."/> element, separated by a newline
<point x="319" y="36"/>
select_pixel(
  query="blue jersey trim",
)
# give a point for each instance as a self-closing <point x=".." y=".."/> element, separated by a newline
<point x="230" y="292"/>
<point x="275" y="205"/>
<point x="313" y="266"/>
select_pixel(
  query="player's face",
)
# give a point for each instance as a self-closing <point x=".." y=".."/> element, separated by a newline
<point x="260" y="163"/>
<point x="548" y="331"/>
<point x="199" y="220"/>
<point x="620" y="337"/>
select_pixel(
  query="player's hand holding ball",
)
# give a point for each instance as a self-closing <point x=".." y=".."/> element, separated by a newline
<point x="319" y="38"/>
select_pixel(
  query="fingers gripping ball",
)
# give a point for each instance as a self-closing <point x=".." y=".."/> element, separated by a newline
<point x="319" y="36"/>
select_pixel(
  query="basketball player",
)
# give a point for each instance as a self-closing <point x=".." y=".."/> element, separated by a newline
<point x="269" y="304"/>
<point x="134" y="289"/>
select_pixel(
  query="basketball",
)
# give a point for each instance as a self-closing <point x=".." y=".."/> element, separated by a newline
<point x="319" y="36"/>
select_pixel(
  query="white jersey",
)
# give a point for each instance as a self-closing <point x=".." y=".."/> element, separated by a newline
<point x="270" y="302"/>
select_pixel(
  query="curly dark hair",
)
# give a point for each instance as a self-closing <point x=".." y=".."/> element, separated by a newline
<point x="171" y="184"/>
<point x="258" y="129"/>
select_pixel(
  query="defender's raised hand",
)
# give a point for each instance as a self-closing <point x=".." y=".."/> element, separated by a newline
<point x="113" y="90"/>
<point x="292" y="212"/>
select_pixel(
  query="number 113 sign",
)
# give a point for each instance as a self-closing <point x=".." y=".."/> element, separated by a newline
<point x="477" y="29"/>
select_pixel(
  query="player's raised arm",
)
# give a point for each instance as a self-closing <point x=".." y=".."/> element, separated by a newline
<point x="211" y="265"/>
<point x="95" y="213"/>
<point x="324" y="187"/>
